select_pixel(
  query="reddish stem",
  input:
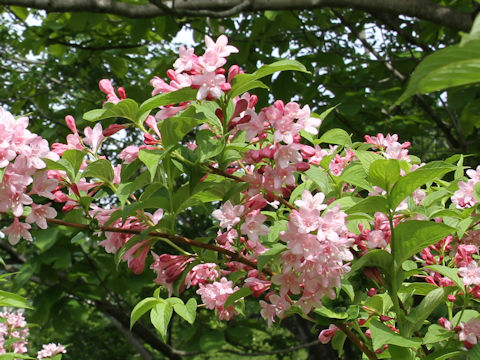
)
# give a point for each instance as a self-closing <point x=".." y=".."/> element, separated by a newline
<point x="360" y="344"/>
<point x="175" y="238"/>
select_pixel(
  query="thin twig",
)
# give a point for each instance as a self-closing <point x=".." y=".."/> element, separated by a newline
<point x="360" y="344"/>
<point x="175" y="238"/>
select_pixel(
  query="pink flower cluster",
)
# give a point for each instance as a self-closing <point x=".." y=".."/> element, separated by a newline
<point x="389" y="146"/>
<point x="14" y="333"/>
<point x="21" y="154"/>
<point x="14" y="327"/>
<point x="318" y="246"/>
<point x="50" y="350"/>
<point x="463" y="197"/>
<point x="215" y="295"/>
<point x="204" y="73"/>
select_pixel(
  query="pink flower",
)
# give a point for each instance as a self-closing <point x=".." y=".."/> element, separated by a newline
<point x="16" y="231"/>
<point x="253" y="225"/>
<point x="94" y="136"/>
<point x="129" y="154"/>
<point x="50" y="350"/>
<point x="39" y="215"/>
<point x="470" y="274"/>
<point x="228" y="214"/>
<point x="221" y="46"/>
<point x="186" y="61"/>
<point x="216" y="294"/>
<point x="210" y="84"/>
<point x="470" y="331"/>
<point x="202" y="273"/>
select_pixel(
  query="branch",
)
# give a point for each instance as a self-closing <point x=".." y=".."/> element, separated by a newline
<point x="422" y="9"/>
<point x="422" y="102"/>
<point x="175" y="238"/>
<point x="354" y="338"/>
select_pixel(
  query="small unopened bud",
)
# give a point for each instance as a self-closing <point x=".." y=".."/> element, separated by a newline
<point x="372" y="292"/>
<point x="385" y="318"/>
<point x="451" y="298"/>
<point x="122" y="93"/>
<point x="105" y="86"/>
<point x="70" y="120"/>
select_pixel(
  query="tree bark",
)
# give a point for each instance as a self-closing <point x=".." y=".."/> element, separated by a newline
<point x="422" y="9"/>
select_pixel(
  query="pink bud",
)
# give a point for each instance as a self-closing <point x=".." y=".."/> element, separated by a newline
<point x="234" y="71"/>
<point x="74" y="188"/>
<point x="150" y="140"/>
<point x="105" y="86"/>
<point x="451" y="298"/>
<point x="112" y="129"/>
<point x="70" y="120"/>
<point x="372" y="292"/>
<point x="302" y="166"/>
<point x="122" y="93"/>
<point x="252" y="101"/>
<point x="445" y="323"/>
<point x="240" y="106"/>
<point x="385" y="318"/>
<point x="361" y="321"/>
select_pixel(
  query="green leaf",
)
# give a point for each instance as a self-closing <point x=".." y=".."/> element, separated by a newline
<point x="407" y="184"/>
<point x="328" y="313"/>
<point x="21" y="12"/>
<point x="374" y="258"/>
<point x="141" y="308"/>
<point x="241" y="293"/>
<point x="320" y="177"/>
<point x="382" y="334"/>
<point x="152" y="158"/>
<point x="445" y="354"/>
<point x="397" y="352"/>
<point x="436" y="333"/>
<point x="175" y="128"/>
<point x="208" y="109"/>
<point x="75" y="158"/>
<point x="367" y="158"/>
<point x="13" y="300"/>
<point x="244" y="82"/>
<point x="355" y="174"/>
<point x="412" y="236"/>
<point x="270" y="254"/>
<point x="13" y="356"/>
<point x="126" y="108"/>
<point x="370" y="205"/>
<point x="452" y="274"/>
<point x="123" y="192"/>
<point x="422" y="311"/>
<point x="446" y="68"/>
<point x="100" y="169"/>
<point x="208" y="146"/>
<point x="384" y="173"/>
<point x="335" y="136"/>
<point x="188" y="311"/>
<point x="174" y="97"/>
<point x="160" y="316"/>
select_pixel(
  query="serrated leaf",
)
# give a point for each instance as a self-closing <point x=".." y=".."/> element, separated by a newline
<point x="370" y="205"/>
<point x="335" y="136"/>
<point x="421" y="312"/>
<point x="152" y="158"/>
<point x="75" y="158"/>
<point x="160" y="316"/>
<point x="407" y="184"/>
<point x="374" y="258"/>
<point x="126" y="108"/>
<point x="100" y="169"/>
<point x="241" y="293"/>
<point x="384" y="173"/>
<point x="175" y="128"/>
<point x="412" y="236"/>
<point x="382" y="335"/>
<point x="141" y="308"/>
<point x="436" y="333"/>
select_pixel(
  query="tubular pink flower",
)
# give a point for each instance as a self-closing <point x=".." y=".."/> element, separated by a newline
<point x="16" y="231"/>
